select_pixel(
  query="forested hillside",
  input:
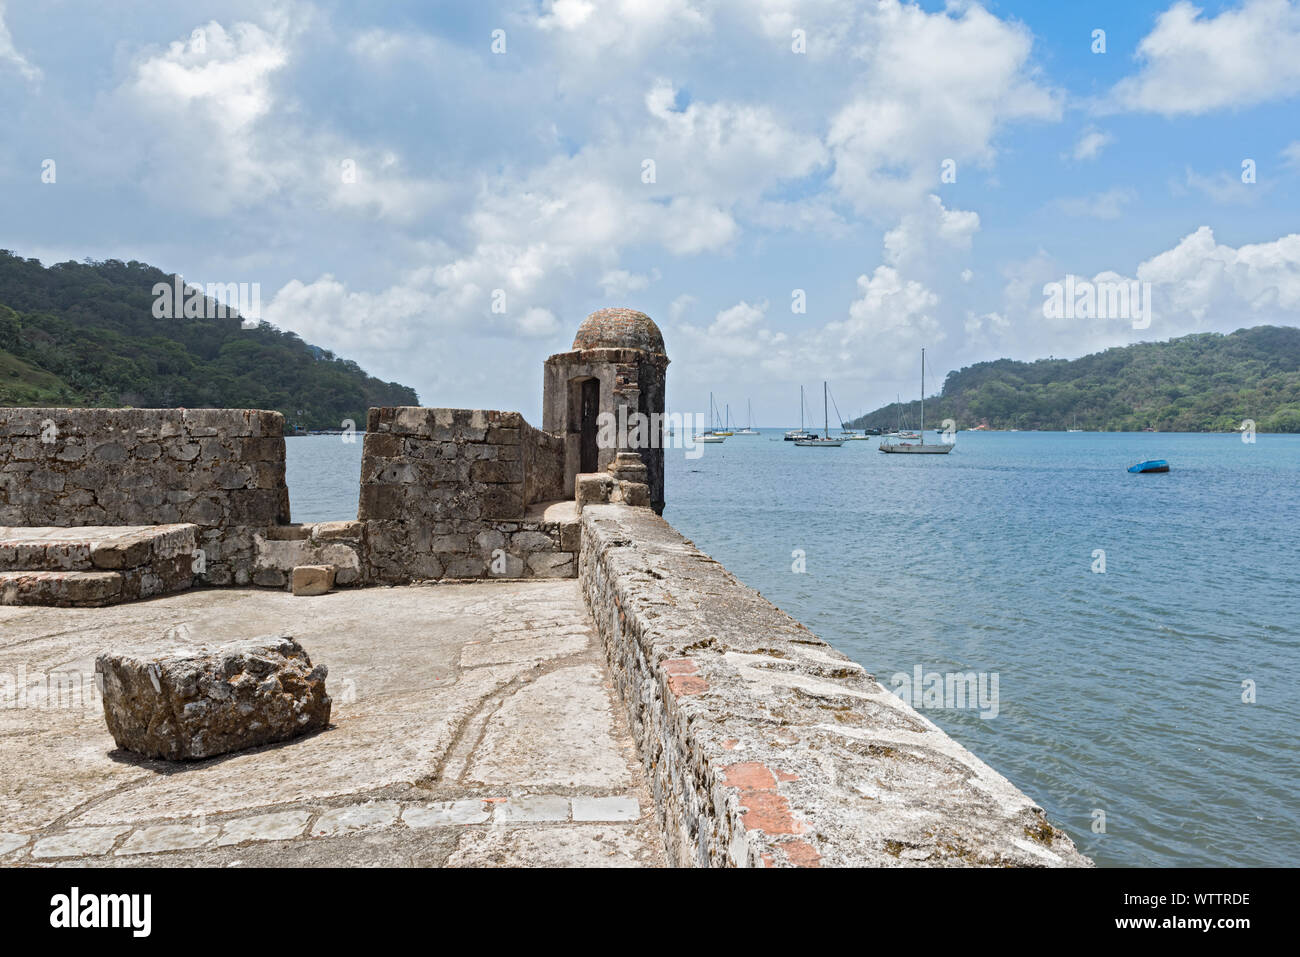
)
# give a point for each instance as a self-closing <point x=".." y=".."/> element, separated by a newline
<point x="85" y="334"/>
<point x="1200" y="383"/>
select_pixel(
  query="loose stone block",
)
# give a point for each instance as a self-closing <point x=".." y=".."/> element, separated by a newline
<point x="593" y="488"/>
<point x="194" y="705"/>
<point x="311" y="580"/>
<point x="634" y="493"/>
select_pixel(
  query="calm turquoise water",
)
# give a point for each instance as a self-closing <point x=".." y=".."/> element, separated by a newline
<point x="1118" y="691"/>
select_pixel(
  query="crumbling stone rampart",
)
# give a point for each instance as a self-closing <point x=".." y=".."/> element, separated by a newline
<point x="764" y="745"/>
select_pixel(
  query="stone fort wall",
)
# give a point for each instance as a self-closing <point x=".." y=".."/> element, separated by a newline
<point x="219" y="469"/>
<point x="763" y="745"/>
<point x="445" y="493"/>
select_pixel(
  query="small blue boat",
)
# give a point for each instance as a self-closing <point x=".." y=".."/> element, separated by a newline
<point x="1155" y="465"/>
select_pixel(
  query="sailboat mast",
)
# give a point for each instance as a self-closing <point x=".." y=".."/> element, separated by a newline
<point x="826" y="415"/>
<point x="922" y="395"/>
<point x="800" y="408"/>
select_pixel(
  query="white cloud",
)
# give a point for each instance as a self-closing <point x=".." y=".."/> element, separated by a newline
<point x="1199" y="285"/>
<point x="1204" y="284"/>
<point x="619" y="283"/>
<point x="204" y="97"/>
<point x="9" y="53"/>
<point x="1192" y="64"/>
<point x="1091" y="142"/>
<point x="538" y="323"/>
<point x="1105" y="205"/>
<point x="933" y="87"/>
<point x="595" y="27"/>
<point x="725" y="151"/>
<point x="1224" y="187"/>
<point x="328" y="313"/>
<point x="378" y="46"/>
<point x="214" y="99"/>
<point x="739" y="333"/>
<point x="1291" y="155"/>
<point x="915" y="243"/>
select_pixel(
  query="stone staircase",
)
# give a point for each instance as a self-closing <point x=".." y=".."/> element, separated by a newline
<point x="93" y="566"/>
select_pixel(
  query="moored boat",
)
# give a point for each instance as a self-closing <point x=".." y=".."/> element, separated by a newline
<point x="823" y="441"/>
<point x="917" y="448"/>
<point x="794" y="435"/>
<point x="749" y="428"/>
<point x="1153" y="465"/>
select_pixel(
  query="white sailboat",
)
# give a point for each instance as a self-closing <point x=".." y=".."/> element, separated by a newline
<point x="749" y="426"/>
<point x="726" y="424"/>
<point x="943" y="448"/>
<point x="795" y="435"/>
<point x="824" y="441"/>
<point x="711" y="437"/>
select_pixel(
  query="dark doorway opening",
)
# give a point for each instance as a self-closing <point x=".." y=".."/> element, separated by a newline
<point x="590" y="409"/>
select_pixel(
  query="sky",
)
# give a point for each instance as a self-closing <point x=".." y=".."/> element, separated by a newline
<point x="794" y="191"/>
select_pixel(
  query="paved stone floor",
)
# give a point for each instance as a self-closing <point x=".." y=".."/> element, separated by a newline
<point x="473" y="725"/>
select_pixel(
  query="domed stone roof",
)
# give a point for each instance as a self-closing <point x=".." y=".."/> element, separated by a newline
<point x="619" y="329"/>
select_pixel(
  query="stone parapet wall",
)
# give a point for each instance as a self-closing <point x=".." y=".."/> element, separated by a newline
<point x="543" y="455"/>
<point x="222" y="470"/>
<point x="393" y="553"/>
<point x="432" y="465"/>
<point x="445" y="494"/>
<point x="764" y="745"/>
<point x="400" y="552"/>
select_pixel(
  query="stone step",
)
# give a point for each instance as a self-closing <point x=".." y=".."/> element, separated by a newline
<point x="94" y="547"/>
<point x="64" y="589"/>
<point x="95" y="565"/>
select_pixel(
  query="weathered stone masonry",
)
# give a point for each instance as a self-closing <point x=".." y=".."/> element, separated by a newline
<point x="617" y="366"/>
<point x="219" y="469"/>
<point x="445" y="493"/>
<point x="764" y="745"/>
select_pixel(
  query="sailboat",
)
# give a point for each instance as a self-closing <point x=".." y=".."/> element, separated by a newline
<point x="898" y="431"/>
<point x="943" y="448"/>
<point x="795" y="435"/>
<point x="711" y="437"/>
<point x="726" y="429"/>
<point x="824" y="441"/>
<point x="749" y="427"/>
<point x="846" y="434"/>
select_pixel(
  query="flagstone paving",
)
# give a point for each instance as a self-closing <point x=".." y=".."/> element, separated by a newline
<point x="472" y="725"/>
